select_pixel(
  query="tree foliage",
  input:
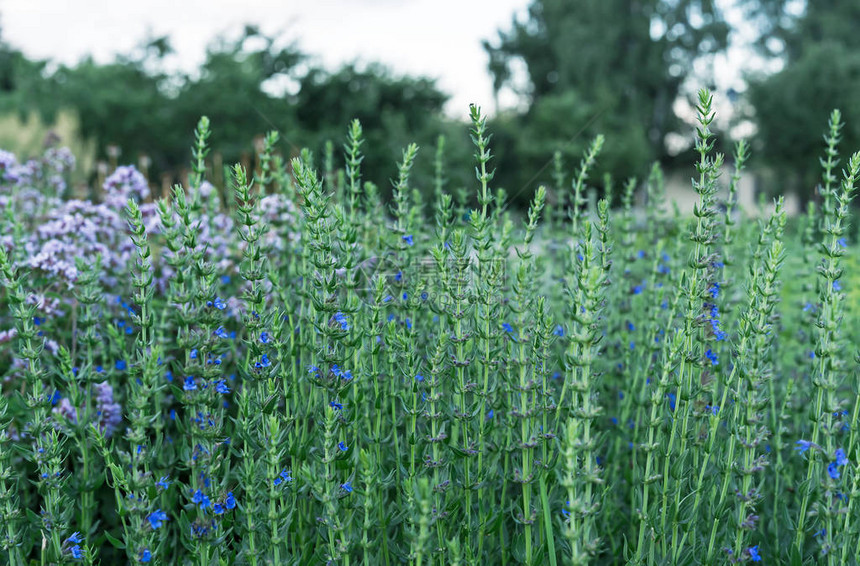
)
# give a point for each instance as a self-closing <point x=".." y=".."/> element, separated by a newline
<point x="610" y="66"/>
<point x="820" y="47"/>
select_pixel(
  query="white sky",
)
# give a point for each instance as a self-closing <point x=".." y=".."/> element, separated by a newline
<point x="436" y="38"/>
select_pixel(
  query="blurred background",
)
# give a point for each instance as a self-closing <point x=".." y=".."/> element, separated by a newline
<point x="126" y="82"/>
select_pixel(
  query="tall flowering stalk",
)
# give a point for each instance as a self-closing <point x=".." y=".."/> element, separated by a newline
<point x="827" y="374"/>
<point x="584" y="480"/>
<point x="47" y="451"/>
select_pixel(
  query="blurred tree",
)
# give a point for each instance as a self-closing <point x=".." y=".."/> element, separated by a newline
<point x="820" y="48"/>
<point x="393" y="111"/>
<point x="601" y="66"/>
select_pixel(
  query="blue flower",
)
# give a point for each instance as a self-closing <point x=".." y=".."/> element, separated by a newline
<point x="672" y="399"/>
<point x="842" y="242"/>
<point x="220" y="332"/>
<point x="263" y="363"/>
<point x="714" y="290"/>
<point x="637" y="290"/>
<point x="802" y="446"/>
<point x="75" y="538"/>
<point x="189" y="384"/>
<point x="283" y="477"/>
<point x="146" y="555"/>
<point x="221" y="387"/>
<point x="837" y="286"/>
<point x="398" y="276"/>
<point x="230" y="501"/>
<point x="225" y="279"/>
<point x="341" y="319"/>
<point x="76" y="551"/>
<point x="559" y="330"/>
<point x="754" y="555"/>
<point x="120" y="365"/>
<point x="193" y="354"/>
<point x="335" y="405"/>
<point x="841" y="458"/>
<point x="218" y="509"/>
<point x="163" y="483"/>
<point x="490" y="414"/>
<point x="408" y="240"/>
<point x="711" y="356"/>
<point x="507" y="327"/>
<point x="201" y="500"/>
<point x="347" y="487"/>
<point x="217" y="303"/>
<point x="342" y="446"/>
<point x="264" y="337"/>
<point x="833" y="470"/>
<point x="419" y="377"/>
<point x="157" y="518"/>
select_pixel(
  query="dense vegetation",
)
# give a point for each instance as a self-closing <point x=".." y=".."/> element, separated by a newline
<point x="302" y="375"/>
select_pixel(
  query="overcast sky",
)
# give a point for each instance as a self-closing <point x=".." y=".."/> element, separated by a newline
<point x="436" y="38"/>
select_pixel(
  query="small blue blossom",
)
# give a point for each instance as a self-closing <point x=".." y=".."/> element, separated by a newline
<point x="342" y="446"/>
<point x="163" y="483"/>
<point x="754" y="555"/>
<point x="408" y="240"/>
<point x="220" y="332"/>
<point x="218" y="509"/>
<point x="157" y="518"/>
<point x="341" y="319"/>
<point x="335" y="405"/>
<point x="217" y="303"/>
<point x="842" y="242"/>
<point x="841" y="458"/>
<point x="201" y="500"/>
<point x="283" y="477"/>
<point x="833" y="470"/>
<point x="75" y="538"/>
<point x="263" y="363"/>
<point x="802" y="446"/>
<point x="637" y="290"/>
<point x="264" y="337"/>
<point x="837" y="286"/>
<point x="120" y="365"/>
<point x="559" y="330"/>
<point x="189" y="384"/>
<point x="221" y="387"/>
<point x="230" y="501"/>
<point x="672" y="399"/>
<point x="714" y="290"/>
<point x="711" y="356"/>
<point x="419" y="377"/>
<point x="146" y="555"/>
<point x="347" y="487"/>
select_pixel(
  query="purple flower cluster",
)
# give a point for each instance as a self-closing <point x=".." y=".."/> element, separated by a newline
<point x="108" y="410"/>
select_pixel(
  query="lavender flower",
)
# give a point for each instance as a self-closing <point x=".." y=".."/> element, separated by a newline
<point x="109" y="411"/>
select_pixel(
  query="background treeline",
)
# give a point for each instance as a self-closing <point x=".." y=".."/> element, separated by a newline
<point x="616" y="67"/>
